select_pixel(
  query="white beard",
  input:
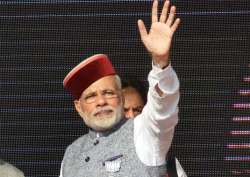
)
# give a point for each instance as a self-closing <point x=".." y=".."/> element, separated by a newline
<point x="103" y="119"/>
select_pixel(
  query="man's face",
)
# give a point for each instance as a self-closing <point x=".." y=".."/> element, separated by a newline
<point x="133" y="104"/>
<point x="101" y="105"/>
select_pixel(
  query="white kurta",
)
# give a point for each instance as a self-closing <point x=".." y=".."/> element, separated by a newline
<point x="154" y="127"/>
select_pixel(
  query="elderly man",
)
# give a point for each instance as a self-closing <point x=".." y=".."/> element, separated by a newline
<point x="116" y="146"/>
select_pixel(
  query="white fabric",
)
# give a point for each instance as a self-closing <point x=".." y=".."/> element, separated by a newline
<point x="179" y="169"/>
<point x="154" y="127"/>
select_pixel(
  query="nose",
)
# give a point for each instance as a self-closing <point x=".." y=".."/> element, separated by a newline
<point x="130" y="114"/>
<point x="101" y="100"/>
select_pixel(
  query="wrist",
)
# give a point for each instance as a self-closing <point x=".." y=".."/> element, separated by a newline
<point x="161" y="61"/>
<point x="161" y="65"/>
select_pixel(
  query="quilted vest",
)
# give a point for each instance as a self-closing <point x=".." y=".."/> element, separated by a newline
<point x="110" y="155"/>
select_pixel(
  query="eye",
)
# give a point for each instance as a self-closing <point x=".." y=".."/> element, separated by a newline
<point x="109" y="93"/>
<point x="126" y="109"/>
<point x="90" y="97"/>
<point x="137" y="110"/>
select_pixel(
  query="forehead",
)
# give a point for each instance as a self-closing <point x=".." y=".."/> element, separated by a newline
<point x="107" y="82"/>
<point x="129" y="90"/>
<point x="132" y="97"/>
<point x="131" y="93"/>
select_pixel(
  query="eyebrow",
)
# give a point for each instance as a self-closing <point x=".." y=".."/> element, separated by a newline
<point x="108" y="89"/>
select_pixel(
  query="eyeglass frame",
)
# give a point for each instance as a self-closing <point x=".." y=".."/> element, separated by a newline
<point x="92" y="97"/>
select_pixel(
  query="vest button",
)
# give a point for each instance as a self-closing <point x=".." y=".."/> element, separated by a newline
<point x="87" y="159"/>
<point x="96" y="142"/>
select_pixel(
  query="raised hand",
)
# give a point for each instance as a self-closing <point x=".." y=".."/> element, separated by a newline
<point x="158" y="39"/>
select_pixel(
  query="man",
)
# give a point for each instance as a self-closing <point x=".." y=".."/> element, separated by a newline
<point x="115" y="146"/>
<point x="134" y="99"/>
<point x="8" y="170"/>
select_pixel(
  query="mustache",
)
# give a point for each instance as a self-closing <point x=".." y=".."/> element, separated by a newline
<point x="103" y="109"/>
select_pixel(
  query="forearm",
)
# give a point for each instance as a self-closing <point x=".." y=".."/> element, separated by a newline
<point x="154" y="128"/>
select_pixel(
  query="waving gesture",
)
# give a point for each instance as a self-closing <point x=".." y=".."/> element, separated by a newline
<point x="158" y="39"/>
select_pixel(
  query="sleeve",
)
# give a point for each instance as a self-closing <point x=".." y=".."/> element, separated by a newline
<point x="154" y="127"/>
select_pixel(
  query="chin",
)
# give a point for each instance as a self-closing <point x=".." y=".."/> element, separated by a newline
<point x="104" y="124"/>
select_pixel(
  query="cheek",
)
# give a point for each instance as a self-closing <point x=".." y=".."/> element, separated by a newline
<point x="115" y="102"/>
<point x="87" y="108"/>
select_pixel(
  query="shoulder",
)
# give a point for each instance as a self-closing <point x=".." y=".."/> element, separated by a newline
<point x="128" y="125"/>
<point x="127" y="129"/>
<point x="79" y="143"/>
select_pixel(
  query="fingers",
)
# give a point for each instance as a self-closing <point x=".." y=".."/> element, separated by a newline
<point x="164" y="12"/>
<point x="171" y="16"/>
<point x="176" y="24"/>
<point x="169" y="19"/>
<point x="155" y="11"/>
<point x="142" y="29"/>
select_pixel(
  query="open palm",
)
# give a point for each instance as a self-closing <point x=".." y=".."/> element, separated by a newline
<point x="158" y="39"/>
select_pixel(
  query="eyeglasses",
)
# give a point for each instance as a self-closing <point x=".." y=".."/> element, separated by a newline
<point x="107" y="94"/>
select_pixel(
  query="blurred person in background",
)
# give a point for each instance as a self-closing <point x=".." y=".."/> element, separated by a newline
<point x="8" y="170"/>
<point x="134" y="93"/>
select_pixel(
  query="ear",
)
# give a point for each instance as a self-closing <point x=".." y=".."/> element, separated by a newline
<point x="77" y="106"/>
<point x="79" y="109"/>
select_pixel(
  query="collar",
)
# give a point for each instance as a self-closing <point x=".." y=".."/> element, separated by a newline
<point x="95" y="134"/>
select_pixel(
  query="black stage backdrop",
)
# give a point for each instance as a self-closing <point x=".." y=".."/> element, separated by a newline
<point x="42" y="40"/>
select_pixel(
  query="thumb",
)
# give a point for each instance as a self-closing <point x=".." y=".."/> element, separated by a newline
<point x="142" y="29"/>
